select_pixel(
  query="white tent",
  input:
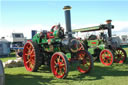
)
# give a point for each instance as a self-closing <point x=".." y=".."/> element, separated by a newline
<point x="4" y="47"/>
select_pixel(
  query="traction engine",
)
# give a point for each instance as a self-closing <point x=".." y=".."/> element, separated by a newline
<point x="57" y="50"/>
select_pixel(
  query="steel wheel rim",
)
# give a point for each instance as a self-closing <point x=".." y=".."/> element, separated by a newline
<point x="29" y="57"/>
<point x="58" y="65"/>
<point x="120" y="55"/>
<point x="106" y="57"/>
<point x="85" y="64"/>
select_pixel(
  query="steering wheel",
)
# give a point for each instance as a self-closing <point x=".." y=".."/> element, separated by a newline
<point x="60" y="30"/>
<point x="55" y="27"/>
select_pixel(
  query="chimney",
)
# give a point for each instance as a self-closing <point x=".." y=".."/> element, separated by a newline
<point x="68" y="20"/>
<point x="109" y="27"/>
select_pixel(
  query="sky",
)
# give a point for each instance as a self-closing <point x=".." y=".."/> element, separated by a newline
<point x="26" y="15"/>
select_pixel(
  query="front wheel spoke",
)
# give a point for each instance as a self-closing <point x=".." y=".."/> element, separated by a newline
<point x="59" y="59"/>
<point x="107" y="61"/>
<point x="55" y="62"/>
<point x="62" y="64"/>
<point x="62" y="61"/>
<point x="56" y="69"/>
<point x="60" y="71"/>
<point x="104" y="55"/>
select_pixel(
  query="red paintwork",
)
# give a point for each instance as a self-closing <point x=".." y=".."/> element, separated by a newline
<point x="29" y="40"/>
<point x="93" y="42"/>
<point x="82" y="55"/>
<point x="50" y="35"/>
<point x="106" y="57"/>
<point x="28" y="56"/>
<point x="57" y="59"/>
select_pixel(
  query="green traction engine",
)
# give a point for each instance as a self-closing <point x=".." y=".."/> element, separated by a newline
<point x="104" y="47"/>
<point x="57" y="50"/>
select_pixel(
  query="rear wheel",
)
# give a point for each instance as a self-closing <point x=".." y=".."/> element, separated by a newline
<point x="106" y="57"/>
<point x="120" y="55"/>
<point x="59" y="65"/>
<point x="86" y="61"/>
<point x="31" y="56"/>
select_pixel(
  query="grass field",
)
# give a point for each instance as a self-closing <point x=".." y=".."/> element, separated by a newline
<point x="117" y="74"/>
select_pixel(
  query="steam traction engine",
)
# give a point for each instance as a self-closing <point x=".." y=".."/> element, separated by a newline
<point x="57" y="50"/>
<point x="104" y="47"/>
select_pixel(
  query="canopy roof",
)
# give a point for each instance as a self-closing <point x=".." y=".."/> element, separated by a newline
<point x="94" y="28"/>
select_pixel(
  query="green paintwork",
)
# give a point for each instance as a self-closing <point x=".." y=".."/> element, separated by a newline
<point x="91" y="50"/>
<point x="68" y="55"/>
<point x="36" y="38"/>
<point x="49" y="47"/>
<point x="55" y="33"/>
<point x="87" y="29"/>
<point x="93" y="43"/>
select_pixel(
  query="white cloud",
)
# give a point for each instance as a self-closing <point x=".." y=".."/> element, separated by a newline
<point x="26" y="30"/>
<point x="120" y="26"/>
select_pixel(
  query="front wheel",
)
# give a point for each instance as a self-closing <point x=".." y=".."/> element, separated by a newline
<point x="59" y="65"/>
<point x="86" y="61"/>
<point x="106" y="57"/>
<point x="120" y="55"/>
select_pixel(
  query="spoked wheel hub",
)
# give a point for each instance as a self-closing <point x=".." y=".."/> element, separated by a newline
<point x="106" y="57"/>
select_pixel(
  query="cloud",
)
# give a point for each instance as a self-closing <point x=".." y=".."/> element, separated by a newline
<point x="25" y="29"/>
<point x="121" y="28"/>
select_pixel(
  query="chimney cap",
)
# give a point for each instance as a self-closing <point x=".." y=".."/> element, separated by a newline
<point x="108" y="21"/>
<point x="67" y="7"/>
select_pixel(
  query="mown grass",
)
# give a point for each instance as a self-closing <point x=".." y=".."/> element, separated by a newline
<point x="11" y="57"/>
<point x="117" y="74"/>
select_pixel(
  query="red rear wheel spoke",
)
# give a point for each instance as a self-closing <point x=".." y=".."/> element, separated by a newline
<point x="31" y="51"/>
<point x="28" y="61"/>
